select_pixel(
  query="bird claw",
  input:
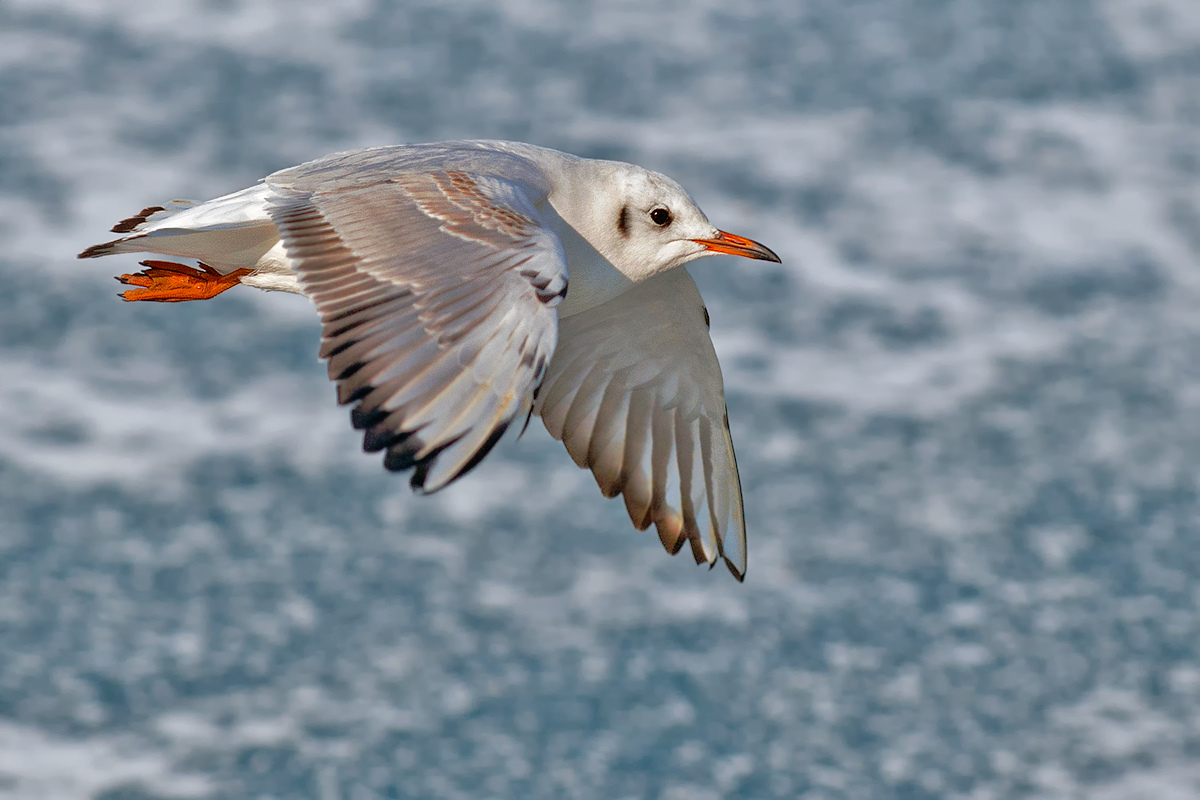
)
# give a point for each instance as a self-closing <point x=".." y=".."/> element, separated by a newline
<point x="168" y="282"/>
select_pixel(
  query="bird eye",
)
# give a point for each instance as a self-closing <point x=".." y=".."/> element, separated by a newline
<point x="660" y="217"/>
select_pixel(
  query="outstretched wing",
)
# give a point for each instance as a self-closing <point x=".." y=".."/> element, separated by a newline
<point x="634" y="391"/>
<point x="436" y="292"/>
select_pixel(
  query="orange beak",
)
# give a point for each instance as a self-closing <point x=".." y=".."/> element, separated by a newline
<point x="733" y="245"/>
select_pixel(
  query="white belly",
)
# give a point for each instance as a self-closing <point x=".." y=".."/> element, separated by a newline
<point x="273" y="272"/>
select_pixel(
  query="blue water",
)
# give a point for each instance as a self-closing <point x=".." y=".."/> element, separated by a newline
<point x="965" y="406"/>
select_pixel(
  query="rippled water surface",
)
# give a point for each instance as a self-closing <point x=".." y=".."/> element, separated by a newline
<point x="966" y="411"/>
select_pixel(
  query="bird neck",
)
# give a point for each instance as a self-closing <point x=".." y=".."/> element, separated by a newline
<point x="591" y="278"/>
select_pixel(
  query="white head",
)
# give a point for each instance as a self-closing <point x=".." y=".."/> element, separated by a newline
<point x="643" y="222"/>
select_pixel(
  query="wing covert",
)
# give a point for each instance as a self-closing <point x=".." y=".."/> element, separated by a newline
<point x="436" y="292"/>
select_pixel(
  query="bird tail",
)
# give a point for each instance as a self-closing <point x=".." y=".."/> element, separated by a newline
<point x="228" y="233"/>
<point x="135" y="227"/>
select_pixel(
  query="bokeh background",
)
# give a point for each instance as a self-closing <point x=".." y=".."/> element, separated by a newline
<point x="965" y="408"/>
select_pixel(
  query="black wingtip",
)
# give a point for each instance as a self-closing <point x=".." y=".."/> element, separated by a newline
<point x="733" y="569"/>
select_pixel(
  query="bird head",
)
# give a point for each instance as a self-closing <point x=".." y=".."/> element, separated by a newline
<point x="644" y="223"/>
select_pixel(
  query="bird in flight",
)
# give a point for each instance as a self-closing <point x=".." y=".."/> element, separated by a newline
<point x="466" y="285"/>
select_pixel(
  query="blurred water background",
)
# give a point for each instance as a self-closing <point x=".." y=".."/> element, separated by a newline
<point x="965" y="409"/>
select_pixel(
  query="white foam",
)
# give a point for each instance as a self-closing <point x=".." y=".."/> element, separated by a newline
<point x="37" y="766"/>
<point x="1120" y="729"/>
<point x="153" y="438"/>
<point x="1151" y="29"/>
<point x="260" y="27"/>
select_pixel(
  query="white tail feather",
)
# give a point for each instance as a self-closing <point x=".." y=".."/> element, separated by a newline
<point x="228" y="233"/>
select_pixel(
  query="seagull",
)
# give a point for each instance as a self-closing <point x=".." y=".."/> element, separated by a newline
<point x="465" y="285"/>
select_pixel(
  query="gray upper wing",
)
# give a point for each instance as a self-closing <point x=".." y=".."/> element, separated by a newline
<point x="436" y="292"/>
<point x="351" y="169"/>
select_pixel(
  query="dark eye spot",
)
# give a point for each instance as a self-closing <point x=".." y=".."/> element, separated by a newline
<point x="660" y="217"/>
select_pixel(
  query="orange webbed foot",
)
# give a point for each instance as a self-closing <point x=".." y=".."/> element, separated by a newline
<point x="168" y="282"/>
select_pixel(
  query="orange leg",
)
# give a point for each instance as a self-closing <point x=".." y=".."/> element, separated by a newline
<point x="167" y="282"/>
